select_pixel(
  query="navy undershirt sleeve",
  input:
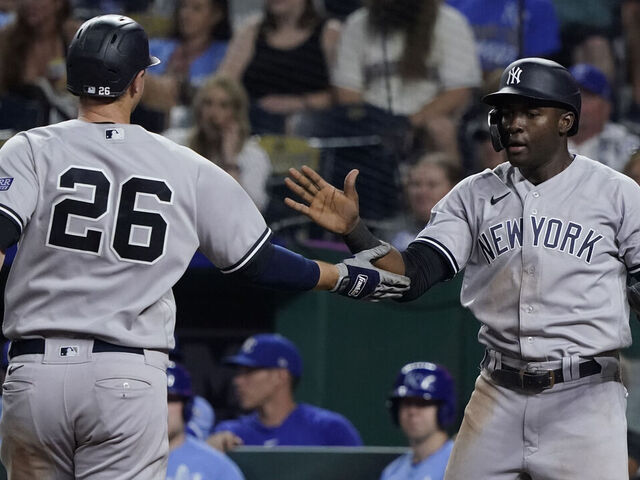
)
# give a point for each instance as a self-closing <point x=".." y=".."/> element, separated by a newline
<point x="276" y="267"/>
<point x="425" y="266"/>
<point x="9" y="232"/>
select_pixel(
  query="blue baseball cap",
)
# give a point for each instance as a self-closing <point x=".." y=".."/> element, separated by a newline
<point x="268" y="350"/>
<point x="591" y="79"/>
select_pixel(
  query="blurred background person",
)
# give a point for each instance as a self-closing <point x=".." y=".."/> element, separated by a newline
<point x="423" y="404"/>
<point x="194" y="51"/>
<point x="632" y="167"/>
<point x="269" y="367"/>
<point x="427" y="180"/>
<point x="598" y="136"/>
<point x="32" y="58"/>
<point x="415" y="58"/>
<point x="7" y="11"/>
<point x="588" y="33"/>
<point x="190" y="458"/>
<point x="496" y="27"/>
<point x="222" y="134"/>
<point x="283" y="58"/>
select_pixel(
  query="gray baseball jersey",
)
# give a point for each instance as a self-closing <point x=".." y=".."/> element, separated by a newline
<point x="110" y="217"/>
<point x="546" y="265"/>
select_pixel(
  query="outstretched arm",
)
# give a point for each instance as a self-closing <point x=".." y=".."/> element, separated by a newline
<point x="338" y="211"/>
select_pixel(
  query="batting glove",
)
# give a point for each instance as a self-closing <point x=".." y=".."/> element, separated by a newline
<point x="360" y="279"/>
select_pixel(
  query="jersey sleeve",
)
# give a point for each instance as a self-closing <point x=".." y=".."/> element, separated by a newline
<point x="230" y="228"/>
<point x="628" y="237"/>
<point x="18" y="181"/>
<point x="448" y="230"/>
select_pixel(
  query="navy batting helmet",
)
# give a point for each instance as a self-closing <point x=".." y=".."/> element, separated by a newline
<point x="427" y="381"/>
<point x="546" y="82"/>
<point x="179" y="385"/>
<point x="105" y="55"/>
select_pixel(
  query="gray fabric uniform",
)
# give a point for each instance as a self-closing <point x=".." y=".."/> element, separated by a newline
<point x="545" y="273"/>
<point x="110" y="216"/>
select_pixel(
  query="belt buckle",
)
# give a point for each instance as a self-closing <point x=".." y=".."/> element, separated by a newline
<point x="523" y="373"/>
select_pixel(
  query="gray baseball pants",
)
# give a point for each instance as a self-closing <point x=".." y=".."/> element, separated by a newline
<point x="575" y="430"/>
<point x="71" y="413"/>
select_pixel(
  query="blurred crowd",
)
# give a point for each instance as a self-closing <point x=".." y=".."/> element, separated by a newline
<point x="391" y="87"/>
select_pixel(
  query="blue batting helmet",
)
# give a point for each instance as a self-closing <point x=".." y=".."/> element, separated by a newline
<point x="427" y="381"/>
<point x="179" y="385"/>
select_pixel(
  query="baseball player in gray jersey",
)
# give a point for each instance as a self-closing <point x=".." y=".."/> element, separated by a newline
<point x="108" y="217"/>
<point x="546" y="241"/>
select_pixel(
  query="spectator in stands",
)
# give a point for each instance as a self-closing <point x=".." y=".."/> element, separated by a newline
<point x="587" y="30"/>
<point x="410" y="57"/>
<point x="32" y="51"/>
<point x="632" y="167"/>
<point x="283" y="58"/>
<point x="7" y="11"/>
<point x="496" y="28"/>
<point x="221" y="134"/>
<point x="423" y="404"/>
<point x="190" y="458"/>
<point x="269" y="368"/>
<point x="630" y="17"/>
<point x="428" y="180"/>
<point x="194" y="52"/>
<point x="598" y="137"/>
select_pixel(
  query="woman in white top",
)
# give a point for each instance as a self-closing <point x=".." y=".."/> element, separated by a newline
<point x="221" y="134"/>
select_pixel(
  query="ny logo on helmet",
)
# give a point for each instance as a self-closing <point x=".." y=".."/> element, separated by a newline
<point x="514" y="76"/>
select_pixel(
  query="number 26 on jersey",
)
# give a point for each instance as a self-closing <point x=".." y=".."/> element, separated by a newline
<point x="139" y="235"/>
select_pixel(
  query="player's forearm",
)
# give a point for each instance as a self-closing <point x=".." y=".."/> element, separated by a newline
<point x="328" y="276"/>
<point x="361" y="238"/>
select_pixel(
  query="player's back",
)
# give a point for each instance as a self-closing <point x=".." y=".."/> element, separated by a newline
<point x="112" y="214"/>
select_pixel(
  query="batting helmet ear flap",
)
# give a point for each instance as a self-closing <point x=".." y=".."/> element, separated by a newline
<point x="499" y="136"/>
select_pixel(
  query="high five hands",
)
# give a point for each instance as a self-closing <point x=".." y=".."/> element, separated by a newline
<point x="338" y="211"/>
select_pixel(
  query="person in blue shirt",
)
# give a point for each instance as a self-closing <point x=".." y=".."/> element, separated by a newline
<point x="423" y="404"/>
<point x="495" y="27"/>
<point x="202" y="420"/>
<point x="269" y="367"/>
<point x="190" y="458"/>
<point x="190" y="55"/>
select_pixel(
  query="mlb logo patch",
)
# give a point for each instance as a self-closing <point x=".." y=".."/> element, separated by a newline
<point x="90" y="90"/>
<point x="114" y="134"/>
<point x="5" y="183"/>
<point x="70" y="351"/>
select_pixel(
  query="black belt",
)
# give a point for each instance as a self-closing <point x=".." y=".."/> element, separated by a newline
<point x="36" y="345"/>
<point x="538" y="380"/>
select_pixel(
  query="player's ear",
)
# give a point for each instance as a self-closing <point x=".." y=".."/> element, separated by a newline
<point x="137" y="86"/>
<point x="565" y="122"/>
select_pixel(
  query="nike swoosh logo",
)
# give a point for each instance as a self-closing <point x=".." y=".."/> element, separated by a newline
<point x="13" y="368"/>
<point x="495" y="200"/>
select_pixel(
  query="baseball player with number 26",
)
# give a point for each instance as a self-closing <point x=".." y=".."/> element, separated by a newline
<point x="547" y="240"/>
<point x="108" y="217"/>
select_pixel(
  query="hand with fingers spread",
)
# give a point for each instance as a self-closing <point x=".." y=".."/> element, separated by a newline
<point x="333" y="209"/>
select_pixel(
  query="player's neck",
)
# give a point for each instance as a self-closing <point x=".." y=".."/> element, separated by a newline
<point x="276" y="411"/>
<point x="96" y="111"/>
<point x="427" y="446"/>
<point x="542" y="173"/>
